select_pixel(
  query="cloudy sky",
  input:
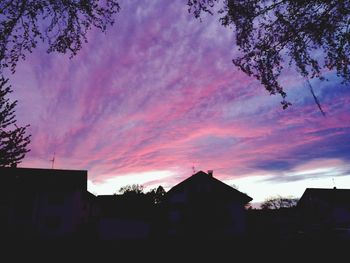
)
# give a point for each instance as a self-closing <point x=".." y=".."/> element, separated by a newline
<point x="158" y="96"/>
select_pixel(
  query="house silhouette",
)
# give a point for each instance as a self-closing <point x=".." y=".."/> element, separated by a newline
<point x="51" y="204"/>
<point x="204" y="207"/>
<point x="325" y="212"/>
<point x="43" y="203"/>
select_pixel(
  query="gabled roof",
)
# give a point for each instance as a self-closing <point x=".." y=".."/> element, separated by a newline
<point x="330" y="195"/>
<point x="42" y="179"/>
<point x="217" y="187"/>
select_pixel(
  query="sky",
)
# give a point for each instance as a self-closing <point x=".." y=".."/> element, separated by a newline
<point x="157" y="97"/>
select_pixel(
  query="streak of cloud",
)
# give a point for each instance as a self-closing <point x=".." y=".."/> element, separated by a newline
<point x="159" y="92"/>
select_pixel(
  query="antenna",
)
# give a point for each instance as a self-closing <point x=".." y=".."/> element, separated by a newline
<point x="333" y="183"/>
<point x="193" y="169"/>
<point x="53" y="160"/>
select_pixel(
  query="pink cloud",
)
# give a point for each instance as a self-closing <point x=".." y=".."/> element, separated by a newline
<point x="159" y="92"/>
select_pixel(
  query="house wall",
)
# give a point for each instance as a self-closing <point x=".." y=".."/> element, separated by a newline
<point x="118" y="229"/>
<point x="320" y="213"/>
<point x="59" y="214"/>
<point x="46" y="214"/>
<point x="185" y="215"/>
<point x="43" y="202"/>
<point x="340" y="215"/>
<point x="179" y="197"/>
<point x="237" y="224"/>
<point x="20" y="213"/>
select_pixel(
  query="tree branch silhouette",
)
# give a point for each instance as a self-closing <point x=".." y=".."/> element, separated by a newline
<point x="13" y="139"/>
<point x="311" y="35"/>
<point x="61" y="24"/>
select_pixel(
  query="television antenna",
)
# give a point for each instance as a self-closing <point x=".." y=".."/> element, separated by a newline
<point x="53" y="160"/>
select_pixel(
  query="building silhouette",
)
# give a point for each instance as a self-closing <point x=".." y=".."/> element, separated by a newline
<point x="44" y="203"/>
<point x="325" y="212"/>
<point x="51" y="204"/>
<point x="204" y="207"/>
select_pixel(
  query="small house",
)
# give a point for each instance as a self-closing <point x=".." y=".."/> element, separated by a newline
<point x="43" y="203"/>
<point x="204" y="207"/>
<point x="325" y="210"/>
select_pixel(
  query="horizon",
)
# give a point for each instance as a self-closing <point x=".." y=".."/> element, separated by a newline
<point x="112" y="188"/>
<point x="157" y="96"/>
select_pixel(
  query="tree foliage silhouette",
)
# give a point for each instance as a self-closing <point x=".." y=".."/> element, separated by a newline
<point x="312" y="35"/>
<point x="157" y="194"/>
<point x="134" y="189"/>
<point x="278" y="202"/>
<point x="63" y="25"/>
<point x="13" y="139"/>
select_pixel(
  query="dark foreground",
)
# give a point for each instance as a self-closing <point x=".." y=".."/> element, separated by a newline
<point x="180" y="250"/>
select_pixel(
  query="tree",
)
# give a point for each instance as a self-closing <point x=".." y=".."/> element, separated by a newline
<point x="62" y="24"/>
<point x="234" y="186"/>
<point x="13" y="139"/>
<point x="278" y="202"/>
<point x="311" y="35"/>
<point x="134" y="189"/>
<point x="156" y="194"/>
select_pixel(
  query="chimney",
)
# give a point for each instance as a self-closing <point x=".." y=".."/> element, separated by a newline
<point x="210" y="173"/>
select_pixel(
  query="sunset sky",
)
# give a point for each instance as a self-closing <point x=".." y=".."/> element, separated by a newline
<point x="158" y="95"/>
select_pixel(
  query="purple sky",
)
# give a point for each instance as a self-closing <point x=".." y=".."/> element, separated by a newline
<point x="158" y="94"/>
